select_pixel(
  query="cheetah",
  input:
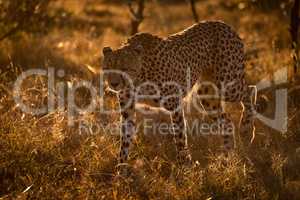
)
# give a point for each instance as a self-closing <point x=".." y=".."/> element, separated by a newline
<point x="163" y="70"/>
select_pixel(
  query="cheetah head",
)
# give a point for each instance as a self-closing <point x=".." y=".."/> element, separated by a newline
<point x="122" y="66"/>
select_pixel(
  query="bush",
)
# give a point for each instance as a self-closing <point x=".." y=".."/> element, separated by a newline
<point x="22" y="15"/>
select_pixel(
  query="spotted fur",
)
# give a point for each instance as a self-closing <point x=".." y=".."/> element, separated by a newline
<point x="207" y="51"/>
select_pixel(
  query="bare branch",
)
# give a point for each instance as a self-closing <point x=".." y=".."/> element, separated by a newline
<point x="131" y="10"/>
<point x="137" y="16"/>
<point x="10" y="33"/>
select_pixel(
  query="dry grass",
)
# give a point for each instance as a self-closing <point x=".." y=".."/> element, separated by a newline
<point x="44" y="158"/>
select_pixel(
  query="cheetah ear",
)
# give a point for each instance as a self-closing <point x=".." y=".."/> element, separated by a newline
<point x="139" y="49"/>
<point x="106" y="50"/>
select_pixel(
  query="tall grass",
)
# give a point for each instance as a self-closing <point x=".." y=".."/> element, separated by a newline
<point x="42" y="157"/>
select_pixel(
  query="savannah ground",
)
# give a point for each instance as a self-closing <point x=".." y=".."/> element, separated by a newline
<point x="42" y="157"/>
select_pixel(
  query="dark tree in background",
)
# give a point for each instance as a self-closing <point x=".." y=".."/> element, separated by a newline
<point x="22" y="15"/>
<point x="194" y="11"/>
<point x="294" y="27"/>
<point x="137" y="15"/>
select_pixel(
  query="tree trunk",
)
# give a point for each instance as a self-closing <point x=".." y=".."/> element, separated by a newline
<point x="137" y="16"/>
<point x="194" y="10"/>
<point x="294" y="26"/>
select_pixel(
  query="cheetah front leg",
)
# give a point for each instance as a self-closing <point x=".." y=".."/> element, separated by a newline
<point x="180" y="136"/>
<point x="227" y="131"/>
<point x="128" y="121"/>
<point x="179" y="130"/>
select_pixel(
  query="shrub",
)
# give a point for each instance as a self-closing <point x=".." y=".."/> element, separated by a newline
<point x="22" y="15"/>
